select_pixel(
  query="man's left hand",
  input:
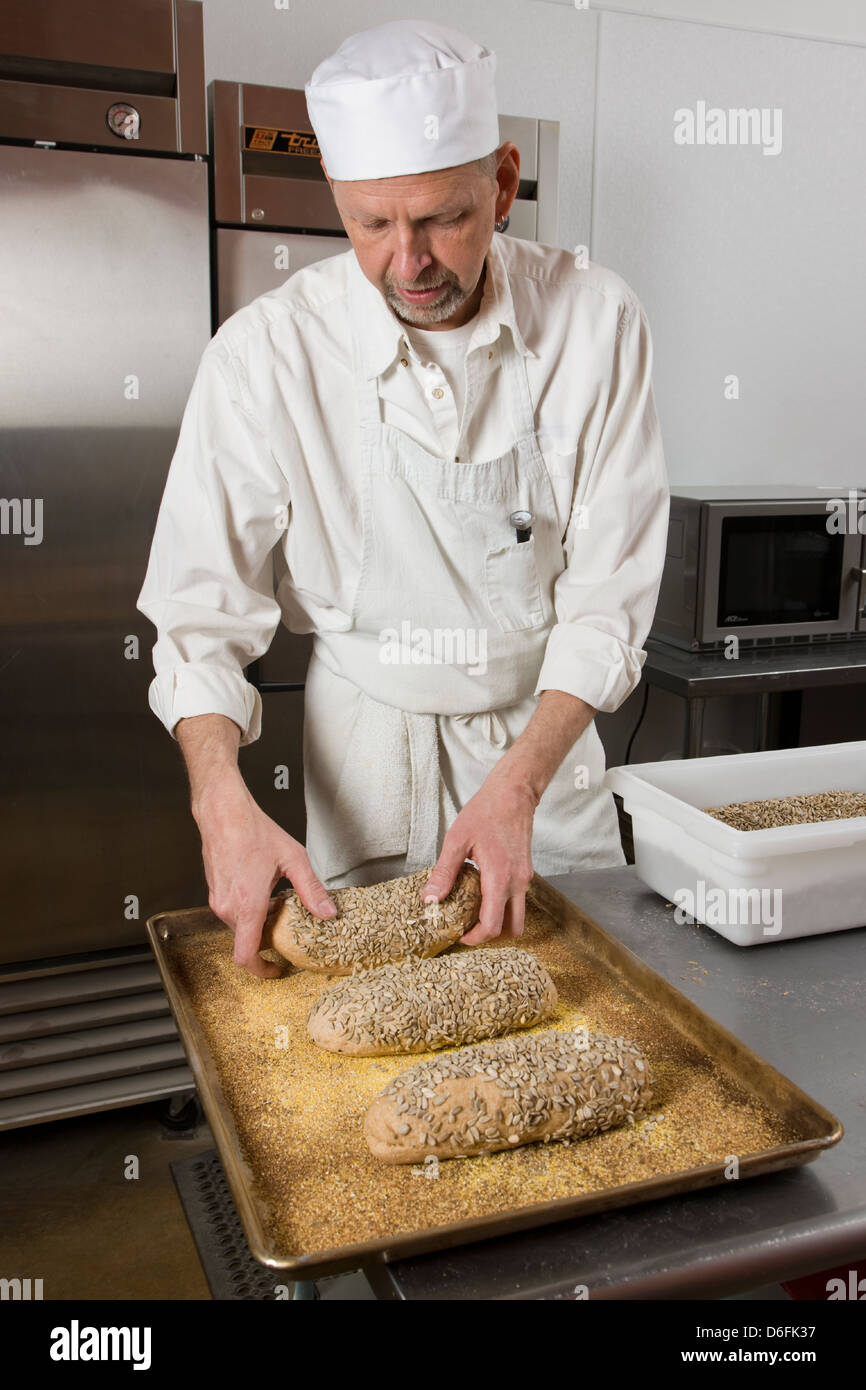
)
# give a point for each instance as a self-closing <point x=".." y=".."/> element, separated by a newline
<point x="495" y="830"/>
<point x="495" y="827"/>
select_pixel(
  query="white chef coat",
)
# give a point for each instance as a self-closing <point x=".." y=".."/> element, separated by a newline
<point x="262" y="519"/>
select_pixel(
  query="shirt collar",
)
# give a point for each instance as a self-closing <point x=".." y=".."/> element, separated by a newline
<point x="380" y="332"/>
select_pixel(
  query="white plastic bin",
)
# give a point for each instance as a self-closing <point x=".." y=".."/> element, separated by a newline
<point x="752" y="886"/>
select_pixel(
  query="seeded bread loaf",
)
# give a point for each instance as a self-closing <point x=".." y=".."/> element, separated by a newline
<point x="422" y="1005"/>
<point x="375" y="925"/>
<point x="501" y="1094"/>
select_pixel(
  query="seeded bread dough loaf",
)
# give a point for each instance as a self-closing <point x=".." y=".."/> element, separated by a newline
<point x="376" y="924"/>
<point x="421" y="1005"/>
<point x="501" y="1094"/>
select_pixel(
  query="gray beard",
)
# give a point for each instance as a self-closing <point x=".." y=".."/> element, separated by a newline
<point x="421" y="315"/>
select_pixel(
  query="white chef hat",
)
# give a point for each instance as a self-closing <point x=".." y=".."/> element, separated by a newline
<point x="403" y="98"/>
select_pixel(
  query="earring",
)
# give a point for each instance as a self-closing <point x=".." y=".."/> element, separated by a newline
<point x="502" y="224"/>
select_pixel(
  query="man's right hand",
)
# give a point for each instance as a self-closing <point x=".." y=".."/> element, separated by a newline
<point x="245" y="855"/>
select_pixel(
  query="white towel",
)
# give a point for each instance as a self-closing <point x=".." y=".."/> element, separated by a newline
<point x="376" y="793"/>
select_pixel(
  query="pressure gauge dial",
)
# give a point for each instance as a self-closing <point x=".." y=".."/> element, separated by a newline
<point x="123" y="120"/>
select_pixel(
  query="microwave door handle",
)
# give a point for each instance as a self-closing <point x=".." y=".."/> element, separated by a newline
<point x="860" y="575"/>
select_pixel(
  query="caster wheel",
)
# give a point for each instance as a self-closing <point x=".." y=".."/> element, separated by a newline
<point x="180" y="1113"/>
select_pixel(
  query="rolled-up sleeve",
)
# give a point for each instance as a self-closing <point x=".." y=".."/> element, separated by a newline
<point x="209" y="586"/>
<point x="616" y="538"/>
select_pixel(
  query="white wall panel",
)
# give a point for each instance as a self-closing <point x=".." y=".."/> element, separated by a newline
<point x="747" y="263"/>
<point x="843" y="20"/>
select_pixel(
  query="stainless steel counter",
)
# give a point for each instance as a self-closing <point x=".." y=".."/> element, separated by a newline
<point x="801" y="1005"/>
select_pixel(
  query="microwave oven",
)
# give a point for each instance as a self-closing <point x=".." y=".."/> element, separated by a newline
<point x="769" y="565"/>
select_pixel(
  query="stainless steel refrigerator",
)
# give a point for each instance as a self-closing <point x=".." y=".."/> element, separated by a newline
<point x="105" y="294"/>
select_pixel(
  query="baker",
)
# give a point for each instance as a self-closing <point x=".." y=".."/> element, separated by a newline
<point x="439" y="454"/>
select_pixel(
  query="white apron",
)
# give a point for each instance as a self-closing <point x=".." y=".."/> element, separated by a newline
<point x="409" y="708"/>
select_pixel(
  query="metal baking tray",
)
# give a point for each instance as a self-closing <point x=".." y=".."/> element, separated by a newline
<point x="578" y="939"/>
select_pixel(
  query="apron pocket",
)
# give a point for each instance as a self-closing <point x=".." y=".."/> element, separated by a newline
<point x="513" y="590"/>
